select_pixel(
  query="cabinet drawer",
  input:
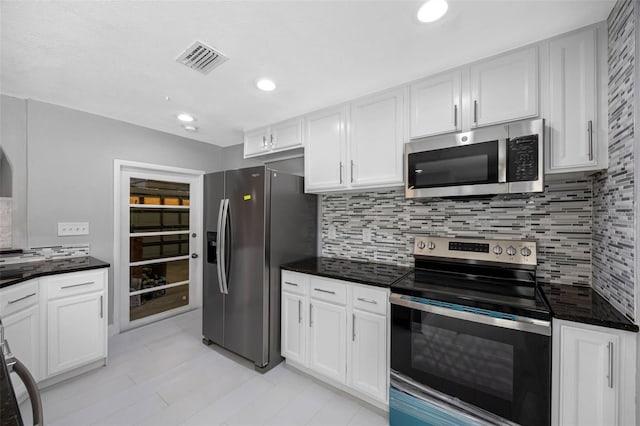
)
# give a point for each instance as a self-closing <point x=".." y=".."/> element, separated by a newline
<point x="330" y="290"/>
<point x="18" y="297"/>
<point x="370" y="299"/>
<point x="74" y="283"/>
<point x="294" y="282"/>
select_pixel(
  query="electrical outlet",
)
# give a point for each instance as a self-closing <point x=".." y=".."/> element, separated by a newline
<point x="366" y="235"/>
<point x="73" y="228"/>
<point x="332" y="231"/>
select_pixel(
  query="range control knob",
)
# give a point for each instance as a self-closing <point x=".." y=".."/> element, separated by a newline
<point x="420" y="245"/>
<point x="497" y="250"/>
<point x="431" y="245"/>
<point x="511" y="251"/>
<point x="525" y="251"/>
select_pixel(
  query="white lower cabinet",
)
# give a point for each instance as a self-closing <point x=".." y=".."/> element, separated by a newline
<point x="593" y="375"/>
<point x="327" y="339"/>
<point x="293" y="327"/>
<point x="56" y="323"/>
<point x="337" y="331"/>
<point x="75" y="331"/>
<point x="369" y="354"/>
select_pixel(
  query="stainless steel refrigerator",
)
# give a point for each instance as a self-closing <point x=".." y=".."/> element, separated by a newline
<point x="255" y="219"/>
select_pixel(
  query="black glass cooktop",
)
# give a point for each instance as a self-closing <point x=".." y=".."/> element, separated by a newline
<point x="501" y="294"/>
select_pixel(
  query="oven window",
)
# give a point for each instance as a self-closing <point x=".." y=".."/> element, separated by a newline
<point x="471" y="361"/>
<point x="461" y="165"/>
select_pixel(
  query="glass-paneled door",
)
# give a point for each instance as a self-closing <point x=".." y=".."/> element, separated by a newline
<point x="159" y="252"/>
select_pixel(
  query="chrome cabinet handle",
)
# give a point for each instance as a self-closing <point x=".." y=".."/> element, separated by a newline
<point x="610" y="372"/>
<point x="21" y="298"/>
<point x="341" y="173"/>
<point x="101" y="308"/>
<point x="351" y="171"/>
<point x="324" y="291"/>
<point x="271" y="141"/>
<point x="76" y="285"/>
<point x="294" y="284"/>
<point x="353" y="327"/>
<point x="264" y="141"/>
<point x="590" y="134"/>
<point x="455" y="116"/>
<point x="299" y="311"/>
<point x="475" y="112"/>
<point x="310" y="315"/>
<point x="362" y="299"/>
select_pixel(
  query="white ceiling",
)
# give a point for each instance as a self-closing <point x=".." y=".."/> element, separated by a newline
<point x="117" y="59"/>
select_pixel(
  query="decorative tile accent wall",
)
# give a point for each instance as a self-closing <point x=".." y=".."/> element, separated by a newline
<point x="559" y="219"/>
<point x="5" y="223"/>
<point x="614" y="203"/>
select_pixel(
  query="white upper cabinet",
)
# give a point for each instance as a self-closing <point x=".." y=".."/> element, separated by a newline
<point x="255" y="142"/>
<point x="325" y="149"/>
<point x="435" y="105"/>
<point x="574" y="103"/>
<point x="376" y="140"/>
<point x="505" y="88"/>
<point x="276" y="138"/>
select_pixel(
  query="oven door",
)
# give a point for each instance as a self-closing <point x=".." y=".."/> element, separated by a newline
<point x="497" y="362"/>
<point x="474" y="169"/>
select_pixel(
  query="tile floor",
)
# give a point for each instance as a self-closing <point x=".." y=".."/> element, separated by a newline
<point x="162" y="374"/>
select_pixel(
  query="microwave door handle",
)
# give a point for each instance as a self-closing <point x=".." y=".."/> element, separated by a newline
<point x="502" y="161"/>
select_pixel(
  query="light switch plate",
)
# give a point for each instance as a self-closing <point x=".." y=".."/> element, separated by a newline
<point x="332" y="231"/>
<point x="366" y="235"/>
<point x="73" y="228"/>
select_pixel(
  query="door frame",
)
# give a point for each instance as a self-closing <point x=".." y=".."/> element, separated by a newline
<point x="124" y="166"/>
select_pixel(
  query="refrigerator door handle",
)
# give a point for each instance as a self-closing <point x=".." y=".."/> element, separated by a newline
<point x="224" y="260"/>
<point x="219" y="246"/>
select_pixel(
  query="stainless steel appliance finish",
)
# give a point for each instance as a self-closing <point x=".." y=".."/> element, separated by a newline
<point x="470" y="336"/>
<point x="255" y="220"/>
<point x="504" y="175"/>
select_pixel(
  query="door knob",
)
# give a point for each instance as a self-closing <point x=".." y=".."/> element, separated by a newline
<point x="194" y="255"/>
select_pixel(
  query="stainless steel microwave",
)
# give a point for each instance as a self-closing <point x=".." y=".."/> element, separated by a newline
<point x="503" y="159"/>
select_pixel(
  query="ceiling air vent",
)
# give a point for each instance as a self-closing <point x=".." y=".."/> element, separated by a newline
<point x="201" y="57"/>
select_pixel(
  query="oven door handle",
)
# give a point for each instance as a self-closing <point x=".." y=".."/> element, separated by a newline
<point x="514" y="322"/>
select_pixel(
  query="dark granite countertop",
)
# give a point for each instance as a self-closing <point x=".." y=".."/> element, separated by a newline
<point x="18" y="272"/>
<point x="9" y="411"/>
<point x="585" y="305"/>
<point x="371" y="273"/>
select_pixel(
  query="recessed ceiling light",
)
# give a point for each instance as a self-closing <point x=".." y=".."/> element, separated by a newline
<point x="187" y="118"/>
<point x="432" y="10"/>
<point x="190" y="128"/>
<point x="266" y="85"/>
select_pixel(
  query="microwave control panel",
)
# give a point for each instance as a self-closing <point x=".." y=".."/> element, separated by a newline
<point x="522" y="159"/>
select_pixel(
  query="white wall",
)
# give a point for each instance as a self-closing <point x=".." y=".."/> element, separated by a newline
<point x="67" y="172"/>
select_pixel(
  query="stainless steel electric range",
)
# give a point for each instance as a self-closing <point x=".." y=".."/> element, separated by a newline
<point x="470" y="336"/>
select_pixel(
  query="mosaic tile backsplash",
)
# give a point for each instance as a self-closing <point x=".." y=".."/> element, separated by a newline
<point x="613" y="198"/>
<point x="559" y="219"/>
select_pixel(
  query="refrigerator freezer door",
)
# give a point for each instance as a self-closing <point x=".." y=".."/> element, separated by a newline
<point x="247" y="280"/>
<point x="212" y="297"/>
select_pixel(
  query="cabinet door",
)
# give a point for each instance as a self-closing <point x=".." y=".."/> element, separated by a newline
<point x="287" y="135"/>
<point x="76" y="331"/>
<point x="369" y="354"/>
<point x="435" y="105"/>
<point x="21" y="331"/>
<point x="572" y="106"/>
<point x="587" y="395"/>
<point x="505" y="88"/>
<point x="325" y="150"/>
<point x="376" y="140"/>
<point x="327" y="339"/>
<point x="256" y="142"/>
<point x="293" y="327"/>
